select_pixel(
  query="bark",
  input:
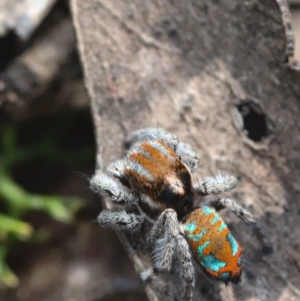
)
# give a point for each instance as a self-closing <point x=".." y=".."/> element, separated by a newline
<point x="220" y="75"/>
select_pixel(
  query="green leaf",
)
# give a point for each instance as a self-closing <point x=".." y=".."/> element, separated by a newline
<point x="19" y="201"/>
<point x="10" y="225"/>
<point x="7" y="277"/>
<point x="14" y="195"/>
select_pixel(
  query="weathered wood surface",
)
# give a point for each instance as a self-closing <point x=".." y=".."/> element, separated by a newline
<point x="214" y="73"/>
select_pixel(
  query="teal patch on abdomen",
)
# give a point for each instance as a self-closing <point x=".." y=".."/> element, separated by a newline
<point x="222" y="227"/>
<point x="215" y="219"/>
<point x="190" y="227"/>
<point x="233" y="244"/>
<point x="209" y="262"/>
<point x="202" y="247"/>
<point x="207" y="210"/>
<point x="198" y="236"/>
<point x="224" y="276"/>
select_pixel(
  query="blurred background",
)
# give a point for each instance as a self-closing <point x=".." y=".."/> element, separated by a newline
<point x="50" y="246"/>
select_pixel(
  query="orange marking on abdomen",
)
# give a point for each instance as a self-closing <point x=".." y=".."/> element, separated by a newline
<point x="212" y="244"/>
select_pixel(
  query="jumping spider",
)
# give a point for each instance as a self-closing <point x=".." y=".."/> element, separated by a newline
<point x="156" y="171"/>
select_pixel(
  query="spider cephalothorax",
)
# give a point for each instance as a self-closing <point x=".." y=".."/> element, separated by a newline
<point x="156" y="171"/>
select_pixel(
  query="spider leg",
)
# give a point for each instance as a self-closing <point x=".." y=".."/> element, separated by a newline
<point x="163" y="234"/>
<point x="120" y="220"/>
<point x="187" y="273"/>
<point x="159" y="227"/>
<point x="101" y="183"/>
<point x="173" y="239"/>
<point x="215" y="185"/>
<point x="117" y="169"/>
<point x="246" y="217"/>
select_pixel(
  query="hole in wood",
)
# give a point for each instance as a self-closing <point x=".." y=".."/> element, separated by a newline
<point x="255" y="122"/>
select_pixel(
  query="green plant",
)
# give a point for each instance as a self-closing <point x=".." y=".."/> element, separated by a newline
<point x="16" y="201"/>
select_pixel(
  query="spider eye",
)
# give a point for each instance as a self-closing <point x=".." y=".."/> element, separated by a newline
<point x="185" y="209"/>
<point x="188" y="204"/>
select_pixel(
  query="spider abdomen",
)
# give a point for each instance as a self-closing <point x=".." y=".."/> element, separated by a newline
<point x="212" y="245"/>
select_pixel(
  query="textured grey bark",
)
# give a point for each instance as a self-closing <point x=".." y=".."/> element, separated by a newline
<point x="207" y="71"/>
